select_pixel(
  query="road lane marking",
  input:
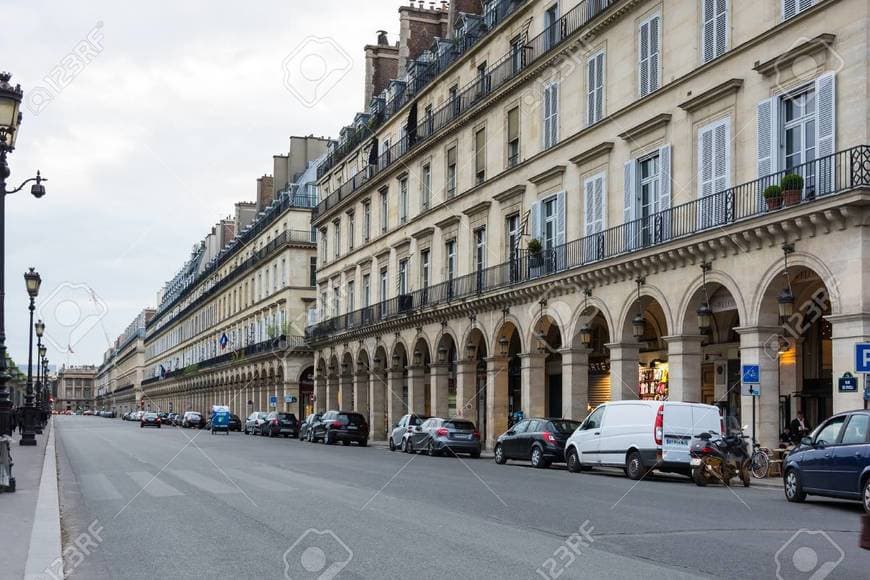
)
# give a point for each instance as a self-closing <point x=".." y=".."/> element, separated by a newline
<point x="97" y="486"/>
<point x="202" y="481"/>
<point x="153" y="485"/>
<point x="243" y="477"/>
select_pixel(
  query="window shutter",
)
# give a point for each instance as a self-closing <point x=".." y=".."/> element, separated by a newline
<point x="595" y="89"/>
<point x="554" y="108"/>
<point x="599" y="92"/>
<point x="722" y="156"/>
<point x="643" y="66"/>
<point x="655" y="41"/>
<point x="535" y="220"/>
<point x="768" y="137"/>
<point x="789" y="8"/>
<point x="589" y="206"/>
<point x="826" y="123"/>
<point x="664" y="201"/>
<point x="560" y="218"/>
<point x="628" y="212"/>
<point x="705" y="161"/>
<point x="590" y="91"/>
<point x="714" y="29"/>
<point x="721" y="27"/>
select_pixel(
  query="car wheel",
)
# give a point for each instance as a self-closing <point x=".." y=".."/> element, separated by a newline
<point x="573" y="461"/>
<point x="794" y="488"/>
<point x="698" y="477"/>
<point x="246" y="430"/>
<point x="345" y="443"/>
<point x="866" y="495"/>
<point x="634" y="466"/>
<point x="407" y="447"/>
<point x="392" y="445"/>
<point x="538" y="459"/>
<point x="364" y="442"/>
<point x="499" y="455"/>
<point x="329" y="438"/>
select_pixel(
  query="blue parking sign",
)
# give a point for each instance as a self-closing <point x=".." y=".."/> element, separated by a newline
<point x="751" y="374"/>
<point x="862" y="357"/>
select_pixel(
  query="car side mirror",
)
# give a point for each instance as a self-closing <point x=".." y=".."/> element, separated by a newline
<point x="511" y="432"/>
<point x="807" y="442"/>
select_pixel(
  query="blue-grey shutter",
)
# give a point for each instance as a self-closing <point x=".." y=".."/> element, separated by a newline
<point x="664" y="201"/>
<point x="826" y="123"/>
<point x="535" y="220"/>
<point x="560" y="218"/>
<point x="628" y="212"/>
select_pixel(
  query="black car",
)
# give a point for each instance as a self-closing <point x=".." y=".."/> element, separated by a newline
<point x="150" y="420"/>
<point x="193" y="419"/>
<point x="343" y="426"/>
<point x="280" y="424"/>
<point x="541" y="441"/>
<point x="305" y="430"/>
<point x="235" y="423"/>
<point x="437" y="436"/>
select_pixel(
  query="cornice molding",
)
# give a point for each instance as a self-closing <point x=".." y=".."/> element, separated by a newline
<point x="555" y="171"/>
<point x="659" y="121"/>
<point x="809" y="47"/>
<point x="711" y="95"/>
<point x="603" y="148"/>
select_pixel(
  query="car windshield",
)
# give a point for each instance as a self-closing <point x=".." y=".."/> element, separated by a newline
<point x="286" y="416"/>
<point x="352" y="418"/>
<point x="150" y="415"/>
<point x="459" y="425"/>
<point x="417" y="419"/>
<point x="565" y="426"/>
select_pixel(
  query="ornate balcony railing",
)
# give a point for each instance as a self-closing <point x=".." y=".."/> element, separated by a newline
<point x="421" y="77"/>
<point x="472" y="94"/>
<point x="272" y="345"/>
<point x="824" y="177"/>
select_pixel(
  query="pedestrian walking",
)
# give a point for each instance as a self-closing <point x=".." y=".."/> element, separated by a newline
<point x="14" y="419"/>
<point x="20" y="419"/>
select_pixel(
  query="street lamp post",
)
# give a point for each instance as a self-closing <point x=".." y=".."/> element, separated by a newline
<point x="49" y="394"/>
<point x="28" y="437"/>
<point x="10" y="119"/>
<point x="39" y="327"/>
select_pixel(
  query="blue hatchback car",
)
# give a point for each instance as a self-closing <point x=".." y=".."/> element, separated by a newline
<point x="834" y="461"/>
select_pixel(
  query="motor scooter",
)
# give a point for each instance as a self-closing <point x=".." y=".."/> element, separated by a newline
<point x="714" y="457"/>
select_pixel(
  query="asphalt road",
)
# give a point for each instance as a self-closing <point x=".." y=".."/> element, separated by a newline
<point x="189" y="504"/>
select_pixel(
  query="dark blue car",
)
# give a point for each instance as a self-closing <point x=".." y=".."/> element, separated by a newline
<point x="834" y="461"/>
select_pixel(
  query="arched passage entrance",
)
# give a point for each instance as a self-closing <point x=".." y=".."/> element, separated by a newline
<point x="378" y="395"/>
<point x="542" y="396"/>
<point x="639" y="363"/>
<point x="443" y="378"/>
<point x="503" y="388"/>
<point x="419" y="379"/>
<point x="471" y="383"/>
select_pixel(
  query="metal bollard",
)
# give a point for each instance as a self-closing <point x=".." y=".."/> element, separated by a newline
<point x="7" y="482"/>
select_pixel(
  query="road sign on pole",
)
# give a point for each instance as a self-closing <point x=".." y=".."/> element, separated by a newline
<point x="273" y="400"/>
<point x="862" y="357"/>
<point x="750" y="381"/>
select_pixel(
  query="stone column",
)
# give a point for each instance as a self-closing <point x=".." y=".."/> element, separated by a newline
<point x="332" y="392"/>
<point x="292" y="388"/>
<point x="496" y="398"/>
<point x="395" y="405"/>
<point x="320" y="394"/>
<point x="624" y="376"/>
<point x="361" y="392"/>
<point x="377" y="405"/>
<point x="847" y="330"/>
<point x="755" y="349"/>
<point x="533" y="380"/>
<point x="345" y="395"/>
<point x="417" y="389"/>
<point x="684" y="367"/>
<point x="439" y="378"/>
<point x="466" y="389"/>
<point x="575" y="382"/>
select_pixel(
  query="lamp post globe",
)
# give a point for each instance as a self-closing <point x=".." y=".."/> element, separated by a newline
<point x="10" y="103"/>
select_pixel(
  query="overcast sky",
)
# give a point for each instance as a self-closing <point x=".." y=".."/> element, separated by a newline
<point x="177" y="109"/>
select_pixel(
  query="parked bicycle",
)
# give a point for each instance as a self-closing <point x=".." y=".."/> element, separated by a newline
<point x="760" y="461"/>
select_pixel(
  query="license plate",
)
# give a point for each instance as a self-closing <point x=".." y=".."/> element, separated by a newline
<point x="352" y="427"/>
<point x="695" y="462"/>
<point x="462" y="436"/>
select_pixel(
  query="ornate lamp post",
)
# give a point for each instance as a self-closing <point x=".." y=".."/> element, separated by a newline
<point x="43" y="383"/>
<point x="39" y="327"/>
<point x="10" y="119"/>
<point x="49" y="395"/>
<point x="28" y="437"/>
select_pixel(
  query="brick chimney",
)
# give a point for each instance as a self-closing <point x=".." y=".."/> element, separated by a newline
<point x="467" y="6"/>
<point x="381" y="65"/>
<point x="265" y="193"/>
<point x="418" y="27"/>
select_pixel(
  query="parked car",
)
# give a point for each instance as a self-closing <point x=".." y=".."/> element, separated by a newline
<point x="640" y="436"/>
<point x="254" y="422"/>
<point x="235" y="423"/>
<point x="163" y="417"/>
<point x="402" y="430"/>
<point x="278" y="424"/>
<point x="305" y="431"/>
<point x="193" y="419"/>
<point x="343" y="426"/>
<point x="150" y="420"/>
<point x="541" y="441"/>
<point x="437" y="436"/>
<point x="834" y="461"/>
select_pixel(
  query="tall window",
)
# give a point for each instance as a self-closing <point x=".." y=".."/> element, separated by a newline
<point x="453" y="98"/>
<point x="351" y="230"/>
<point x="480" y="249"/>
<point x="595" y="88"/>
<point x="649" y="39"/>
<point x="403" y="200"/>
<point x="549" y="222"/>
<point x="551" y="19"/>
<point x="425" y="186"/>
<point x="402" y="282"/>
<point x="482" y="79"/>
<point x="366" y="291"/>
<point x="480" y="155"/>
<point x="594" y="203"/>
<point x="551" y="114"/>
<point x="714" y="160"/>
<point x="799" y="128"/>
<point x="424" y="268"/>
<point x="336" y="300"/>
<point x="792" y="8"/>
<point x="714" y="28"/>
<point x="336" y="230"/>
<point x="312" y="271"/>
<point x="324" y="251"/>
<point x="513" y="137"/>
<point x="384" y="210"/>
<point x="367" y="221"/>
<point x="384" y="285"/>
<point x="430" y="120"/>
<point x="351" y="289"/>
<point x="451" y="172"/>
<point x="450" y="253"/>
<point x="517" y="54"/>
<point x="512" y="237"/>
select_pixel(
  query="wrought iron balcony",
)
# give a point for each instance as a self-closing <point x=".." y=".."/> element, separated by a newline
<point x="822" y="178"/>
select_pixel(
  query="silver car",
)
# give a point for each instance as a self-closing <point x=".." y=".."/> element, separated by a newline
<point x="437" y="436"/>
<point x="403" y="429"/>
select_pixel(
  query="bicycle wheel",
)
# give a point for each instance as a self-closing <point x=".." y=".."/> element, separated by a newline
<point x="760" y="464"/>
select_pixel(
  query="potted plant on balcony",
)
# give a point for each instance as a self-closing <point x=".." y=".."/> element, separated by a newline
<point x="773" y="197"/>
<point x="792" y="185"/>
<point x="535" y="258"/>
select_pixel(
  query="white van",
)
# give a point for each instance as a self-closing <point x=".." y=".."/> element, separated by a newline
<point x="639" y="436"/>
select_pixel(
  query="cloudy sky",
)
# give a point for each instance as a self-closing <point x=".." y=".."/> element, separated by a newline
<point x="150" y="119"/>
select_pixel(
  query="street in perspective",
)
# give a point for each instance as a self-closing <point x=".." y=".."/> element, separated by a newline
<point x="454" y="288"/>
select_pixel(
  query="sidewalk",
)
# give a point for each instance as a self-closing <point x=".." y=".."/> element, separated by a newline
<point x="30" y="530"/>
